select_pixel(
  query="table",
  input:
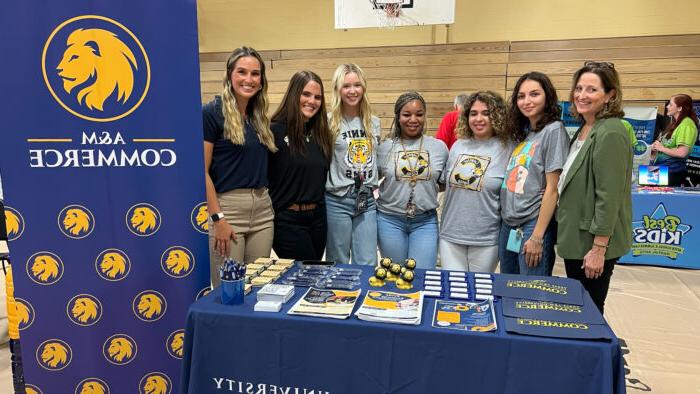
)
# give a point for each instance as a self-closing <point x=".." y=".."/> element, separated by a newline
<point x="665" y="228"/>
<point x="231" y="349"/>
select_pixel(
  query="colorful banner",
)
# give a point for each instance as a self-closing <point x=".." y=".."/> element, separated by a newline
<point x="102" y="168"/>
<point x="664" y="229"/>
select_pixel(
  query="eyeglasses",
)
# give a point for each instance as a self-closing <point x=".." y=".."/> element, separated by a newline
<point x="590" y="63"/>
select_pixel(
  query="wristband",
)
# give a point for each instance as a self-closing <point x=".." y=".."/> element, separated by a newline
<point x="536" y="240"/>
<point x="217" y="216"/>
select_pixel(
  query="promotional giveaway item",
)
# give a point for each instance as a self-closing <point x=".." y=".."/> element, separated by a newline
<point x="232" y="274"/>
<point x="542" y="288"/>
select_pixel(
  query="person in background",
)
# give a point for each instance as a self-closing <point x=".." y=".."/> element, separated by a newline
<point x="677" y="141"/>
<point x="471" y="216"/>
<point x="410" y="164"/>
<point x="298" y="171"/>
<point x="237" y="139"/>
<point x="529" y="190"/>
<point x="594" y="214"/>
<point x="350" y="207"/>
<point x="446" y="130"/>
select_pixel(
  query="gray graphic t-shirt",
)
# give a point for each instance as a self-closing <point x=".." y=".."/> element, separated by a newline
<point x="542" y="152"/>
<point x="352" y="153"/>
<point x="473" y="176"/>
<point x="397" y="165"/>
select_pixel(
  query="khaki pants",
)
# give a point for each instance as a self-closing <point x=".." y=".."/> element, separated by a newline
<point x="249" y="212"/>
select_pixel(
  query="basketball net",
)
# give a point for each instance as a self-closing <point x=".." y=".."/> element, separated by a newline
<point x="388" y="12"/>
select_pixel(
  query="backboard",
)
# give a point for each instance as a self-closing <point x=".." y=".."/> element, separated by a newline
<point x="350" y="14"/>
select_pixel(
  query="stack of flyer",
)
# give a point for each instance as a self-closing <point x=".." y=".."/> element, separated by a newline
<point x="388" y="307"/>
<point x="271" y="297"/>
<point x="336" y="304"/>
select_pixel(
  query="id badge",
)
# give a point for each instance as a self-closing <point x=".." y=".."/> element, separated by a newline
<point x="515" y="240"/>
<point x="411" y="210"/>
<point x="361" y="202"/>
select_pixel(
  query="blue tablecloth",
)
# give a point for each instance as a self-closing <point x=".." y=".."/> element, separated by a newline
<point x="231" y="349"/>
<point x="665" y="229"/>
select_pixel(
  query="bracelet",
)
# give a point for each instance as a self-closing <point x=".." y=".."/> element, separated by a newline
<point x="600" y="245"/>
<point x="536" y="240"/>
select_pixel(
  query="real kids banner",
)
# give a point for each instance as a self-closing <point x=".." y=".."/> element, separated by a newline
<point x="101" y="158"/>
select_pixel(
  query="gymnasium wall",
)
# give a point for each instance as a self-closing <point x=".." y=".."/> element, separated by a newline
<point x="296" y="24"/>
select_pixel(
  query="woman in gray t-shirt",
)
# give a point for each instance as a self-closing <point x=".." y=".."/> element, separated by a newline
<point x="410" y="164"/>
<point x="471" y="217"/>
<point x="529" y="191"/>
<point x="350" y="209"/>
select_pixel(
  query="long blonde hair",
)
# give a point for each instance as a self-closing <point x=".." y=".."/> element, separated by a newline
<point x="256" y="109"/>
<point x="336" y="118"/>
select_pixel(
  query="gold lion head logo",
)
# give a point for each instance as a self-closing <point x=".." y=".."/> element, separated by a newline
<point x="155" y="384"/>
<point x="23" y="313"/>
<point x="13" y="224"/>
<point x="54" y="354"/>
<point x="45" y="268"/>
<point x="76" y="221"/>
<point x="93" y="387"/>
<point x="84" y="309"/>
<point x="178" y="261"/>
<point x="177" y="343"/>
<point x="150" y="305"/>
<point x="31" y="390"/>
<point x="202" y="218"/>
<point x="113" y="264"/>
<point x="120" y="349"/>
<point x="99" y="56"/>
<point x="143" y="220"/>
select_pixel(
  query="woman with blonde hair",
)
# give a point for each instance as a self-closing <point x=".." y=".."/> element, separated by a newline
<point x="350" y="207"/>
<point x="594" y="212"/>
<point x="237" y="140"/>
<point x="471" y="216"/>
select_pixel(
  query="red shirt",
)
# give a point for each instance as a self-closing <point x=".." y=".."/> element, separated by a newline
<point x="446" y="131"/>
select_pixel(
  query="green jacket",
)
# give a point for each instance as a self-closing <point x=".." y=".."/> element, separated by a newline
<point x="596" y="197"/>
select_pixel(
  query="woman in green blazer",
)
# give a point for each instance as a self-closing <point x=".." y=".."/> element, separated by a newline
<point x="594" y="213"/>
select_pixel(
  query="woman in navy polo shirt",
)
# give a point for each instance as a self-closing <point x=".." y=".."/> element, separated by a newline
<point x="299" y="169"/>
<point x="237" y="139"/>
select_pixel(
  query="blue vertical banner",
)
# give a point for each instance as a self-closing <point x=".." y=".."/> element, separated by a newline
<point x="101" y="157"/>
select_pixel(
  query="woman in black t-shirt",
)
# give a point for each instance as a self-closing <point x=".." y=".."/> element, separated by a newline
<point x="237" y="138"/>
<point x="298" y="171"/>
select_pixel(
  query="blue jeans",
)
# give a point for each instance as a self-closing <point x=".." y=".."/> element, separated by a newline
<point x="401" y="237"/>
<point x="514" y="263"/>
<point x="350" y="234"/>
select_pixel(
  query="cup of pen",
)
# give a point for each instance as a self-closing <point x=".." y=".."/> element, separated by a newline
<point x="232" y="291"/>
<point x="232" y="275"/>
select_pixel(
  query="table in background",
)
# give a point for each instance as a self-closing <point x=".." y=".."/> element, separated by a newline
<point x="268" y="352"/>
<point x="675" y="243"/>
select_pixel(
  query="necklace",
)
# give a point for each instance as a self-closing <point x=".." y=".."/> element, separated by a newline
<point x="413" y="168"/>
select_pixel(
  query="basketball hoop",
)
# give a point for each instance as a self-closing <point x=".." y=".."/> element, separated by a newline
<point x="388" y="12"/>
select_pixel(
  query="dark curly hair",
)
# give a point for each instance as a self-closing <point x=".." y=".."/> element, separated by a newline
<point x="517" y="122"/>
<point x="498" y="116"/>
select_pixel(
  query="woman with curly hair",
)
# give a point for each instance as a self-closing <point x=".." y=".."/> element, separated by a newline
<point x="471" y="217"/>
<point x="352" y="177"/>
<point x="299" y="169"/>
<point x="237" y="139"/>
<point x="529" y="190"/>
<point x="410" y="163"/>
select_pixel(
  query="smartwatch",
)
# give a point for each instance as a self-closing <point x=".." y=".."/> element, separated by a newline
<point x="217" y="216"/>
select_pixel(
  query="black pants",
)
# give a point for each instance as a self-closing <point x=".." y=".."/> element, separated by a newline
<point x="300" y="235"/>
<point x="597" y="288"/>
